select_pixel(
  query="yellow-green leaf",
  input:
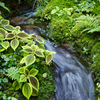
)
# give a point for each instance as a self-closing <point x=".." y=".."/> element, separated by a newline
<point x="9" y="27"/>
<point x="34" y="92"/>
<point x="33" y="72"/>
<point x="5" y="22"/>
<point x="23" y="60"/>
<point x="22" y="35"/>
<point x="23" y="78"/>
<point x="5" y="44"/>
<point x="48" y="58"/>
<point x="14" y="44"/>
<point x="10" y="36"/>
<point x="34" y="82"/>
<point x="28" y="50"/>
<point x="22" y="69"/>
<point x="30" y="59"/>
<point x="40" y="39"/>
<point x="39" y="53"/>
<point x="2" y="31"/>
<point x="27" y="90"/>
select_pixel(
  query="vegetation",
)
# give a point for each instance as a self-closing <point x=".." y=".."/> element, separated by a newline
<point x="77" y="22"/>
<point x="22" y="57"/>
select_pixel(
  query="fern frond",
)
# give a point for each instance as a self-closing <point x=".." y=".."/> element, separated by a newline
<point x="97" y="29"/>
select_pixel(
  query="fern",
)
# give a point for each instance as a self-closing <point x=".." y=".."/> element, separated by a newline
<point x="97" y="29"/>
<point x="13" y="73"/>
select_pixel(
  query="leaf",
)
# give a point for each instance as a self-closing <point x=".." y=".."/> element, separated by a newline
<point x="45" y="75"/>
<point x="28" y="50"/>
<point x="33" y="72"/>
<point x="13" y="98"/>
<point x="30" y="59"/>
<point x="39" y="53"/>
<point x="34" y="92"/>
<point x="26" y="72"/>
<point x="2" y="37"/>
<point x="3" y="5"/>
<point x="9" y="27"/>
<point x="10" y="36"/>
<point x="23" y="60"/>
<point x="39" y="39"/>
<point x="22" y="69"/>
<point x="2" y="49"/>
<point x="23" y="78"/>
<point x="15" y="85"/>
<point x="48" y="58"/>
<point x="14" y="44"/>
<point x="2" y="31"/>
<point x="27" y="90"/>
<point x="22" y="35"/>
<point x="54" y="11"/>
<point x="5" y="44"/>
<point x="34" y="82"/>
<point x="5" y="22"/>
<point x="34" y="47"/>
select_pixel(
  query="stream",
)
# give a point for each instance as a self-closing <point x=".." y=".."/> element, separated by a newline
<point x="73" y="79"/>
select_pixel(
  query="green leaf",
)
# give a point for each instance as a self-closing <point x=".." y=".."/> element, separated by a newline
<point x="23" y="60"/>
<point x="2" y="49"/>
<point x="2" y="37"/>
<point x="48" y="58"/>
<point x="9" y="27"/>
<point x="10" y="36"/>
<point x="26" y="72"/>
<point x="39" y="39"/>
<point x="22" y="69"/>
<point x="5" y="44"/>
<point x="34" y="82"/>
<point x="27" y="90"/>
<point x="2" y="31"/>
<point x="5" y="22"/>
<point x="14" y="44"/>
<point x="15" y="85"/>
<point x="22" y="35"/>
<point x="13" y="98"/>
<point x="33" y="72"/>
<point x="28" y="50"/>
<point x="23" y="78"/>
<point x="34" y="92"/>
<point x="30" y="59"/>
<point x="34" y="47"/>
<point x="39" y="53"/>
<point x="3" y="5"/>
<point x="54" y="11"/>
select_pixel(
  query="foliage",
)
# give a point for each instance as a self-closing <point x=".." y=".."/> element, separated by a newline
<point x="15" y="42"/>
<point x="2" y="4"/>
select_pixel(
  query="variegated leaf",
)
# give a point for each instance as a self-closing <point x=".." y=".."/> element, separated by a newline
<point x="34" y="47"/>
<point x="34" y="92"/>
<point x="23" y="78"/>
<point x="33" y="72"/>
<point x="5" y="44"/>
<point x="26" y="71"/>
<point x="2" y="31"/>
<point x="22" y="35"/>
<point x="30" y="59"/>
<point x="22" y="69"/>
<point x="34" y="82"/>
<point x="48" y="58"/>
<point x="23" y="60"/>
<point x="5" y="22"/>
<point x="28" y="50"/>
<point x="39" y="53"/>
<point x="9" y="27"/>
<point x="40" y="39"/>
<point x="27" y="90"/>
<point x="10" y="36"/>
<point x="14" y="44"/>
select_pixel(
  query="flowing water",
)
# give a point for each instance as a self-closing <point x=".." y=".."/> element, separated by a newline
<point x="73" y="80"/>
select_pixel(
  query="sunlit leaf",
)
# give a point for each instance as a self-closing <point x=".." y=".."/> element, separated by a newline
<point x="23" y="60"/>
<point x="27" y="90"/>
<point x="5" y="22"/>
<point x="48" y="58"/>
<point x="34" y="92"/>
<point x="2" y="37"/>
<point x="33" y="72"/>
<point x="9" y="27"/>
<point x="23" y="78"/>
<point x="39" y="39"/>
<point x="14" y="44"/>
<point x="34" y="47"/>
<point x="39" y="53"/>
<point x="22" y="69"/>
<point x="2" y="49"/>
<point x="34" y="82"/>
<point x="10" y="36"/>
<point x="22" y="35"/>
<point x="2" y="31"/>
<point x="28" y="50"/>
<point x="30" y="59"/>
<point x="5" y="44"/>
<point x="32" y="35"/>
<point x="26" y="72"/>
